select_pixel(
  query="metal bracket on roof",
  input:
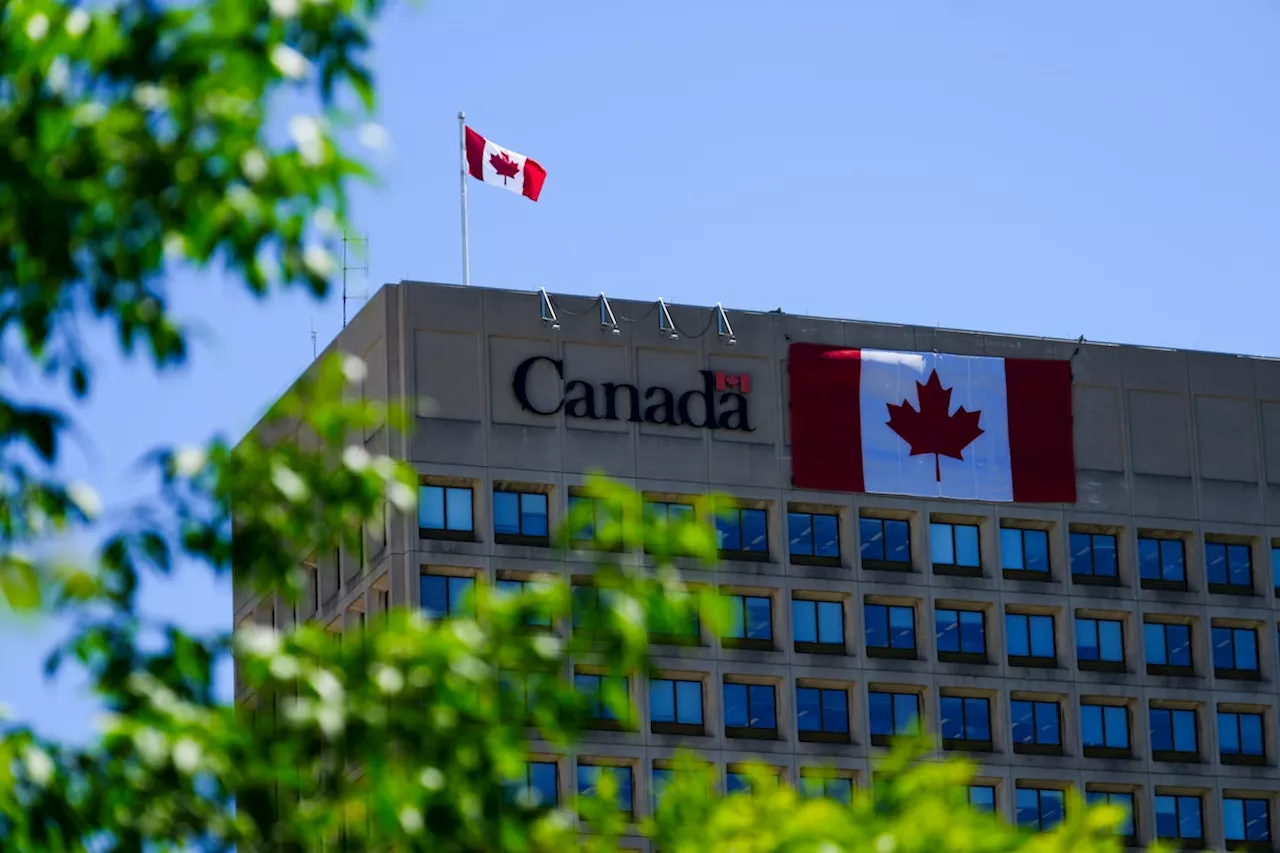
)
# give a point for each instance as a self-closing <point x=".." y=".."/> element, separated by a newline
<point x="666" y="326"/>
<point x="607" y="320"/>
<point x="723" y="327"/>
<point x="549" y="317"/>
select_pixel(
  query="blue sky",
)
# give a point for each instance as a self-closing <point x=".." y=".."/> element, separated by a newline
<point x="1105" y="169"/>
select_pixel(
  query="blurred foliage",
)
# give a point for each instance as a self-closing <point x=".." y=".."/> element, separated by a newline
<point x="135" y="139"/>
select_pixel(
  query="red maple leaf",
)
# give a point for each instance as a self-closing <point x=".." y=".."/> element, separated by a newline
<point x="933" y="429"/>
<point x="504" y="165"/>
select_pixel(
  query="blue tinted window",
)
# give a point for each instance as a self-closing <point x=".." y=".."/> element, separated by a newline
<point x="887" y="539"/>
<point x="1235" y="649"/>
<point x="1162" y="560"/>
<point x="1240" y="733"/>
<point x="1167" y="644"/>
<point x="890" y="626"/>
<point x="675" y="701"/>
<point x="1228" y="564"/>
<point x="965" y="718"/>
<point x="519" y="514"/>
<point x="1275" y="567"/>
<point x="982" y="797"/>
<point x="1093" y="554"/>
<point x="741" y="529"/>
<point x="594" y="687"/>
<point x="1104" y="726"/>
<point x="1124" y="800"/>
<point x="749" y="706"/>
<point x="589" y="778"/>
<point x="1024" y="550"/>
<point x="818" y="621"/>
<point x="736" y="783"/>
<point x="543" y="782"/>
<point x="1178" y="817"/>
<point x="822" y="710"/>
<point x="1039" y="809"/>
<point x="813" y="534"/>
<point x="750" y="617"/>
<point x="446" y="596"/>
<point x="1030" y="635"/>
<point x="1099" y="640"/>
<point x="444" y="508"/>
<point x="1246" y="819"/>
<point x="954" y="544"/>
<point x="1174" y="730"/>
<point x="961" y="631"/>
<point x="1035" y="722"/>
<point x="893" y="713"/>
<point x="835" y="788"/>
<point x="661" y="778"/>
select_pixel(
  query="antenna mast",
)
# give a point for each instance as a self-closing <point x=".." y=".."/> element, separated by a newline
<point x="348" y="263"/>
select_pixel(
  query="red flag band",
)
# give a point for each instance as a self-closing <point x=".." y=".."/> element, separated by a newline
<point x="503" y="167"/>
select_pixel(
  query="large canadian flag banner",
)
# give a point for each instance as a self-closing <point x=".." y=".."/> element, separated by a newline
<point x="489" y="162"/>
<point x="931" y="424"/>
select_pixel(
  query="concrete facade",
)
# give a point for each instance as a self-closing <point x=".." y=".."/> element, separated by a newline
<point x="1175" y="444"/>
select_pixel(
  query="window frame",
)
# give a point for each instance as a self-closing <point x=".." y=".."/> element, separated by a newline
<point x="1169" y="669"/>
<point x="1025" y="574"/>
<point x="447" y="533"/>
<point x="1173" y="755"/>
<point x="815" y="559"/>
<point x="961" y="656"/>
<point x="1275" y="569"/>
<point x="529" y="786"/>
<point x="995" y="797"/>
<point x="522" y="538"/>
<point x="1235" y="673"/>
<point x="745" y="642"/>
<point x="890" y="651"/>
<point x="674" y="726"/>
<point x="1040" y="809"/>
<point x="817" y="645"/>
<point x="742" y="554"/>
<point x="1247" y="843"/>
<point x="1093" y="796"/>
<point x="602" y="721"/>
<point x="1100" y="665"/>
<point x="1091" y="577"/>
<point x="1035" y="747"/>
<point x="822" y="734"/>
<point x="451" y="604"/>
<point x="1162" y="582"/>
<point x="1196" y="840"/>
<point x="1105" y="749"/>
<point x="955" y="569"/>
<point x="749" y="731"/>
<point x="1032" y="660"/>
<point x="1241" y="758"/>
<point x="630" y="811"/>
<point x="883" y="563"/>
<point x="881" y="739"/>
<point x="1228" y="586"/>
<point x="966" y="744"/>
<point x="824" y="779"/>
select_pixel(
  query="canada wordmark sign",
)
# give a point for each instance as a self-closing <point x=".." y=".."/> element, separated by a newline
<point x="931" y="424"/>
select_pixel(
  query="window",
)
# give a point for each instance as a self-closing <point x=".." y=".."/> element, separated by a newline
<point x="670" y="627"/>
<point x="522" y="690"/>
<point x="742" y="533"/>
<point x="1162" y="563"/>
<point x="602" y="693"/>
<point x="892" y="715"/>
<point x="661" y="778"/>
<point x="1124" y="799"/>
<point x="1037" y="729"/>
<point x="1093" y="558"/>
<point x="520" y="518"/>
<point x="1173" y="734"/>
<point x="1168" y="648"/>
<point x="595" y="518"/>
<point x="1039" y="809"/>
<point x="814" y="538"/>
<point x="1228" y="567"/>
<point x="822" y="714"/>
<point x="890" y="630"/>
<point x="750" y="622"/>
<point x="738" y="782"/>
<point x="1275" y="568"/>
<point x="538" y="789"/>
<point x="886" y="543"/>
<point x="1178" y="817"/>
<point x="671" y="512"/>
<point x="444" y="512"/>
<point x="983" y="797"/>
<point x="835" y="788"/>
<point x="1104" y="730"/>
<point x="1246" y="820"/>
<point x="1024" y="551"/>
<point x="1030" y="639"/>
<point x="675" y="706"/>
<point x="954" y="548"/>
<point x="965" y="722"/>
<point x="750" y="710"/>
<point x="962" y="635"/>
<point x="1235" y="653"/>
<point x="589" y="776"/>
<point x="515" y="588"/>
<point x="446" y="596"/>
<point x="1240" y="738"/>
<point x="1100" y="644"/>
<point x="818" y="626"/>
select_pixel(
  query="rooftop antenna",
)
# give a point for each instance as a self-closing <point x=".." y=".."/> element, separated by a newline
<point x="348" y="264"/>
<point x="314" y="352"/>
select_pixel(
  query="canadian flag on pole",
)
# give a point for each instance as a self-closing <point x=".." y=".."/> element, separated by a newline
<point x="931" y="424"/>
<point x="503" y="167"/>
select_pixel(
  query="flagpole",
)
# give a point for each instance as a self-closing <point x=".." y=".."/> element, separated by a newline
<point x="462" y="150"/>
